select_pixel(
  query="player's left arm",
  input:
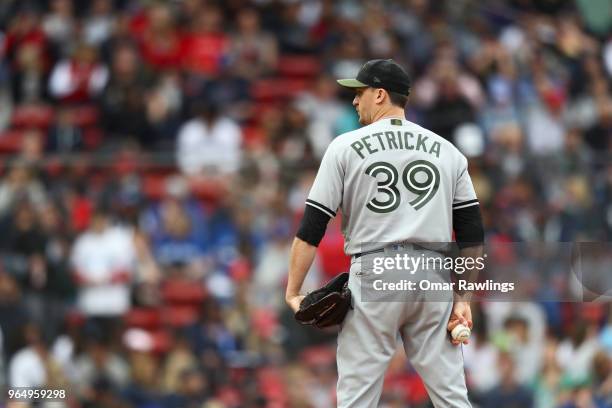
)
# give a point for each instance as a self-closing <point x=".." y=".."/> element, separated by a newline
<point x="469" y="234"/>
<point x="300" y="260"/>
<point x="323" y="200"/>
<point x="303" y="250"/>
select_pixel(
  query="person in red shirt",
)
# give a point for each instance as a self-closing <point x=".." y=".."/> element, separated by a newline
<point x="160" y="42"/>
<point x="80" y="78"/>
<point x="25" y="30"/>
<point x="207" y="47"/>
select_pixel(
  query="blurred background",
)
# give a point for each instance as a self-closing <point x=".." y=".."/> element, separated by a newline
<point x="155" y="158"/>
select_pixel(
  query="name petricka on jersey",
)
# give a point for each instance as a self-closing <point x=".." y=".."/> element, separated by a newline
<point x="395" y="140"/>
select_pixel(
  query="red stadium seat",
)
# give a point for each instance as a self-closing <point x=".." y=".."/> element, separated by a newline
<point x="54" y="167"/>
<point x="229" y="396"/>
<point x="318" y="356"/>
<point x="74" y="318"/>
<point x="240" y="270"/>
<point x="10" y="141"/>
<point x="264" y="323"/>
<point x="409" y="385"/>
<point x="162" y="341"/>
<point x="85" y="116"/>
<point x="92" y="137"/>
<point x="272" y="384"/>
<point x="252" y="136"/>
<point x="331" y="251"/>
<point x="179" y="292"/>
<point x="179" y="316"/>
<point x="267" y="89"/>
<point x="262" y="109"/>
<point x="270" y="90"/>
<point x="293" y="87"/>
<point x="157" y="166"/>
<point x="80" y="213"/>
<point x="592" y="312"/>
<point x="298" y="66"/>
<point x="210" y="191"/>
<point x="153" y="186"/>
<point x="143" y="317"/>
<point x="37" y="116"/>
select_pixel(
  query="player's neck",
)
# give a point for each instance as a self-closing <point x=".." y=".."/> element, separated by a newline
<point x="394" y="112"/>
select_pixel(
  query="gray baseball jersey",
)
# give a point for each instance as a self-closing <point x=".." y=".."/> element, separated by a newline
<point x="394" y="181"/>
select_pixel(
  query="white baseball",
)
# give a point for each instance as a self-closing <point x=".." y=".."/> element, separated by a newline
<point x="461" y="333"/>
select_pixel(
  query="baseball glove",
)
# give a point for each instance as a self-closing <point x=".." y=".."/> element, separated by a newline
<point x="326" y="306"/>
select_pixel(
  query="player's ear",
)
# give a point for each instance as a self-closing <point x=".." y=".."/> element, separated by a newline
<point x="380" y="95"/>
<point x="386" y="96"/>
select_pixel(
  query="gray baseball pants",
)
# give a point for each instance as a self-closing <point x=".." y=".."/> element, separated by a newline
<point x="370" y="333"/>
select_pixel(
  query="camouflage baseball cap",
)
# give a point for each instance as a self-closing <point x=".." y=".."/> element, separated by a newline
<point x="380" y="73"/>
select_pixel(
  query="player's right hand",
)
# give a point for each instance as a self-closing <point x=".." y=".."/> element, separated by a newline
<point x="294" y="302"/>
<point x="461" y="314"/>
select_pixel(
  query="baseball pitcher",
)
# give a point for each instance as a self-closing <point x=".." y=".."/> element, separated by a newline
<point x="394" y="182"/>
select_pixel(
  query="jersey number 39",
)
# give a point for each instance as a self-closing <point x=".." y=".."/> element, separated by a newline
<point x="424" y="189"/>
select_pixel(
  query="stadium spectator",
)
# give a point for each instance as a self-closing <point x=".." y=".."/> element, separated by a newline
<point x="144" y="381"/>
<point x="206" y="46"/>
<point x="103" y="262"/>
<point x="99" y="366"/>
<point x="24" y="30"/>
<point x="64" y="136"/>
<point x="20" y="184"/>
<point x="179" y="242"/>
<point x="548" y="384"/>
<point x="450" y="97"/>
<point x="582" y="396"/>
<point x="180" y="358"/>
<point x="289" y="139"/>
<point x="30" y="76"/>
<point x="34" y="366"/>
<point x="60" y="25"/>
<point x="194" y="390"/>
<point x="508" y="393"/>
<point x="26" y="242"/>
<point x="13" y="315"/>
<point x="602" y="375"/>
<point x="481" y="358"/>
<point x="177" y="228"/>
<point x="100" y="22"/>
<point x="210" y="338"/>
<point x="525" y="347"/>
<point x="163" y="109"/>
<point x="161" y="43"/>
<point x="122" y="100"/>
<point x="323" y="112"/>
<point x="598" y="136"/>
<point x="292" y="31"/>
<point x="576" y="354"/>
<point x="254" y="52"/>
<point x="544" y="127"/>
<point x="350" y="56"/>
<point x="209" y="143"/>
<point x="80" y="78"/>
<point x="32" y="148"/>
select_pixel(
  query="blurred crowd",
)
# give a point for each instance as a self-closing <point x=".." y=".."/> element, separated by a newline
<point x="156" y="159"/>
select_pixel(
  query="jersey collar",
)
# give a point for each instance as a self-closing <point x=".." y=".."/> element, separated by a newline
<point x="389" y="118"/>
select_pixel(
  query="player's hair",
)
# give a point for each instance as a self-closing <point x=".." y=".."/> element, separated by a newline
<point x="398" y="99"/>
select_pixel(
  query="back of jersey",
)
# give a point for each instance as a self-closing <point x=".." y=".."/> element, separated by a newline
<point x="394" y="181"/>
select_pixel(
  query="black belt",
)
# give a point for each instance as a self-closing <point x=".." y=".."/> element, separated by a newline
<point x="375" y="251"/>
